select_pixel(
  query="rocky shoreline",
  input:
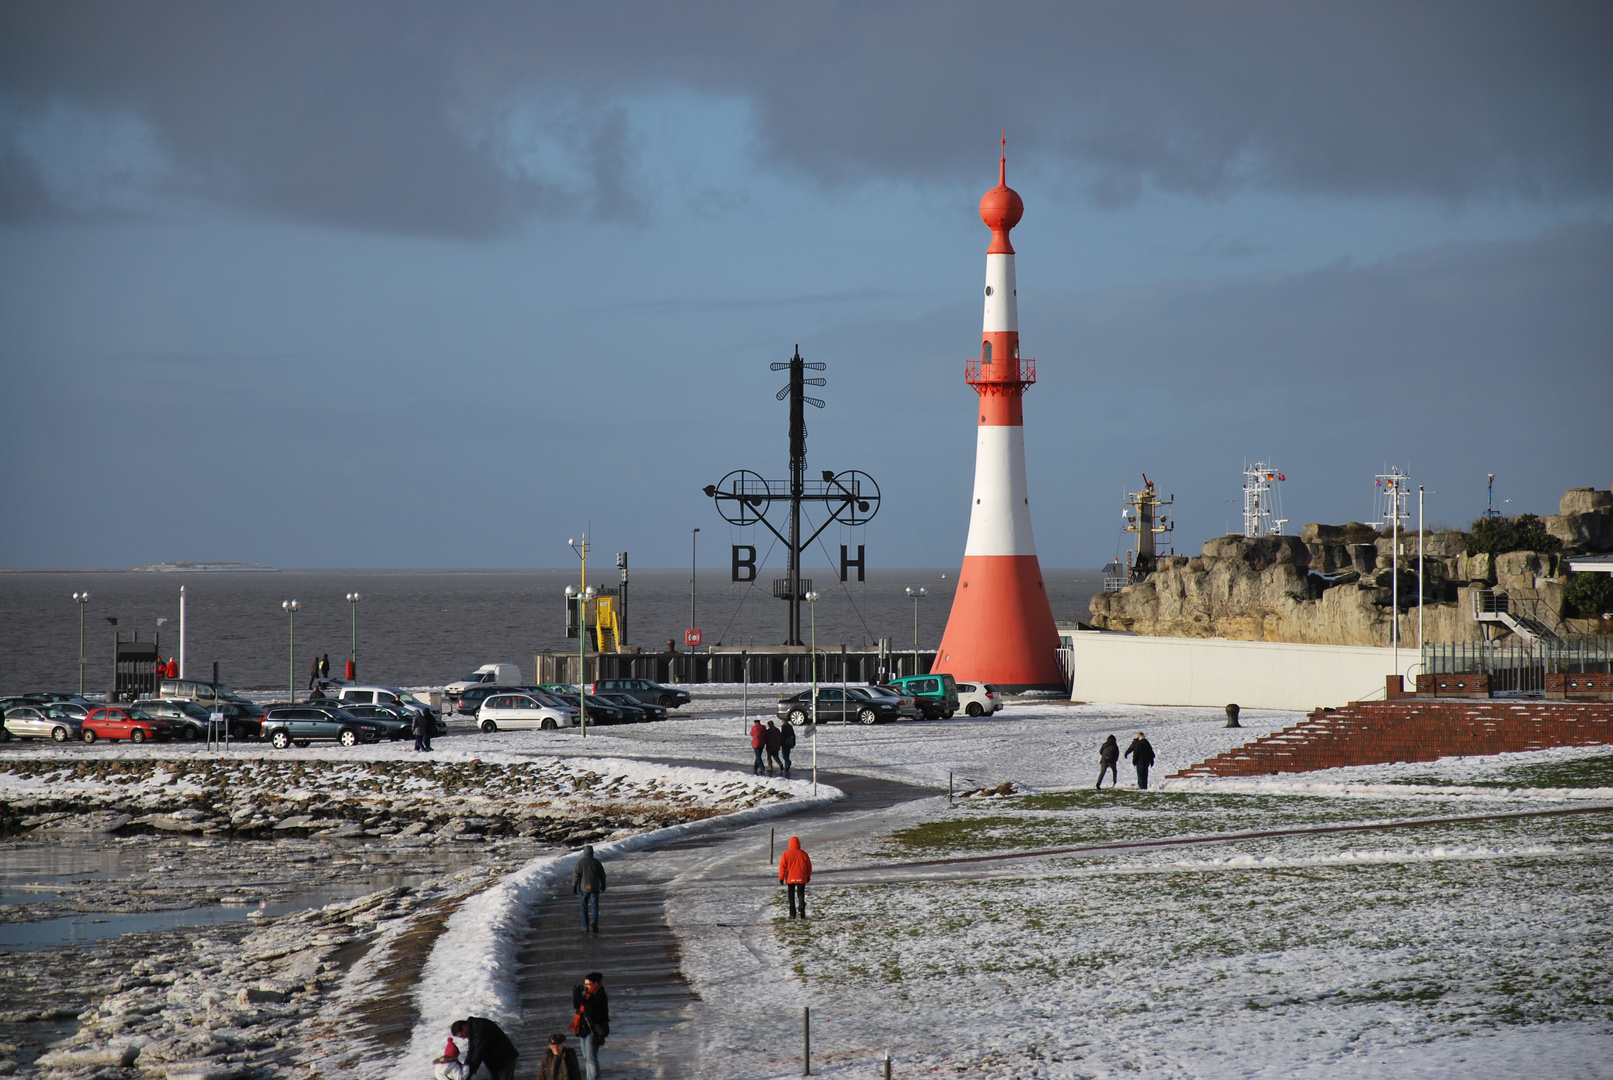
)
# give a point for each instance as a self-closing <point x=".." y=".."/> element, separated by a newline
<point x="319" y="992"/>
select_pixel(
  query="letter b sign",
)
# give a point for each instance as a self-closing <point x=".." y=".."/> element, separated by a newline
<point x="745" y="563"/>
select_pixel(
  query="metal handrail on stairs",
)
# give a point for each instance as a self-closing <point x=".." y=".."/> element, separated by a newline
<point x="1526" y="618"/>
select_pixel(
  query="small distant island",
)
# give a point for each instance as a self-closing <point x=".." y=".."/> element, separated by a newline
<point x="204" y="567"/>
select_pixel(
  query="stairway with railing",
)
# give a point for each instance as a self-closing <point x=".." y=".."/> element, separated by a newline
<point x="1527" y="618"/>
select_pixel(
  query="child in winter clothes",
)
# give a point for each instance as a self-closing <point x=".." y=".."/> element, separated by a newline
<point x="451" y="1066"/>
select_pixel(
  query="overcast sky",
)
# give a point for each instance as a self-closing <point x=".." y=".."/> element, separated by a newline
<point x="394" y="284"/>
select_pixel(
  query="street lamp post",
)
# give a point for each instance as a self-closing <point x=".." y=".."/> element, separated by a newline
<point x="352" y="601"/>
<point x="82" y="598"/>
<point x="290" y="608"/>
<point x="694" y="538"/>
<point x="583" y="595"/>
<point x="812" y="601"/>
<point x="916" y="595"/>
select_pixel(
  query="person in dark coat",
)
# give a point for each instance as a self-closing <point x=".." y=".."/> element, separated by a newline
<point x="1108" y="762"/>
<point x="1142" y="756"/>
<point x="560" y="1063"/>
<point x="588" y="880"/>
<point x="773" y="739"/>
<point x="758" y="743"/>
<point x="786" y="743"/>
<point x="313" y="673"/>
<point x="592" y="1020"/>
<point x="488" y="1046"/>
<point x="324" y="666"/>
<point x="422" y="731"/>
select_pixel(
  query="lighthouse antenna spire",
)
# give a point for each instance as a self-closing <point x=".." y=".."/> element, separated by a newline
<point x="1002" y="162"/>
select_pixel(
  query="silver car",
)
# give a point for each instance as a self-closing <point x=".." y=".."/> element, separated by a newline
<point x="42" y="722"/>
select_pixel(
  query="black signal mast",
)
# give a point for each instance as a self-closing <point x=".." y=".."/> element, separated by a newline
<point x="744" y="498"/>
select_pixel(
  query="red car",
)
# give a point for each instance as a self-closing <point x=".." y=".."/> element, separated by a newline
<point x="122" y="722"/>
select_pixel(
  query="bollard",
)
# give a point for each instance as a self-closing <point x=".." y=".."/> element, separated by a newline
<point x="806" y="1041"/>
<point x="1232" y="716"/>
<point x="949" y="789"/>
<point x="770" y="835"/>
<point x="887" y="1065"/>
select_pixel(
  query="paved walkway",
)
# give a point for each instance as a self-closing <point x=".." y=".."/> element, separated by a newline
<point x="656" y="1029"/>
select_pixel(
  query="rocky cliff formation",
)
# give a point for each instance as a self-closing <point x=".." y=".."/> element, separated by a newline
<point x="1333" y="584"/>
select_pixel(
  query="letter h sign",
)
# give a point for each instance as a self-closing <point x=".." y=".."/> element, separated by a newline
<point x="846" y="564"/>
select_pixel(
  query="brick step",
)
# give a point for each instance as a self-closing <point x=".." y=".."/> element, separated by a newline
<point x="1410" y="729"/>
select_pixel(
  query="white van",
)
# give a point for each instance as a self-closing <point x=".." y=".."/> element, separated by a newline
<point x="486" y="675"/>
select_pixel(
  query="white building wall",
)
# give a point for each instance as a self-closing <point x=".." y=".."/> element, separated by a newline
<point x="1133" y="670"/>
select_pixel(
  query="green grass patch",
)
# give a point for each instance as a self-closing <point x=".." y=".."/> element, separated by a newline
<point x="1586" y="772"/>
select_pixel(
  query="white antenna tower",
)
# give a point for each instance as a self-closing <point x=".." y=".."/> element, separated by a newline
<point x="1390" y="492"/>
<point x="1262" y="502"/>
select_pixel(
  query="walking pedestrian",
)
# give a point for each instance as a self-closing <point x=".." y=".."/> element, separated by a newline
<point x="1142" y="756"/>
<point x="758" y="744"/>
<point x="313" y="673"/>
<point x="422" y="731"/>
<point x="588" y="880"/>
<point x="488" y="1045"/>
<point x="560" y="1063"/>
<point x="794" y="871"/>
<point x="1108" y="759"/>
<point x="592" y="1020"/>
<point x="324" y="666"/>
<point x="786" y="744"/>
<point x="773" y="741"/>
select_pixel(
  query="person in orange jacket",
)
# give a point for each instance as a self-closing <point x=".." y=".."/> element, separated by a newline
<point x="794" y="871"/>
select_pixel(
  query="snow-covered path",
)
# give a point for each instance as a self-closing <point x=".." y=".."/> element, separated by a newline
<point x="678" y="925"/>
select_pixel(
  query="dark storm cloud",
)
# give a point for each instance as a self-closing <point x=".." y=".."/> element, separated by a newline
<point x="388" y="116"/>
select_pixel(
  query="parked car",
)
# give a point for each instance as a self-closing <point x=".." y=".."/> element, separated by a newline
<point x="383" y="695"/>
<point x="288" y="725"/>
<point x="40" y="721"/>
<point x="599" y="710"/>
<point x="471" y="700"/>
<point x="521" y="712"/>
<point x="77" y="709"/>
<point x="637" y="710"/>
<point x="905" y="705"/>
<point x="939" y="689"/>
<point x="125" y="722"/>
<point x="837" y="706"/>
<point x="396" y="723"/>
<point x="979" y="699"/>
<point x="486" y="675"/>
<point x="189" y="719"/>
<point x="245" y="720"/>
<point x="196" y="690"/>
<point x="668" y="697"/>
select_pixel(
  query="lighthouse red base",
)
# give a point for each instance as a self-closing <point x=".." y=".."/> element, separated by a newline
<point x="1001" y="628"/>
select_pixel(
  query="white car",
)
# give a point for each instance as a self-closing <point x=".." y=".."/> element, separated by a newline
<point x="979" y="699"/>
<point x="516" y="712"/>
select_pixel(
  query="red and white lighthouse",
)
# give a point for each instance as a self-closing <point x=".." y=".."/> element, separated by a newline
<point x="1001" y="627"/>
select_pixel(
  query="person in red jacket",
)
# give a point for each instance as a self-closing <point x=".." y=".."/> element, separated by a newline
<point x="794" y="871"/>
<point x="758" y="743"/>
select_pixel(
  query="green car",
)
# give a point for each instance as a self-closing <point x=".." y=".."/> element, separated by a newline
<point x="940" y="690"/>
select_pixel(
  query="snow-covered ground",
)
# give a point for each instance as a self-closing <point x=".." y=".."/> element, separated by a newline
<point x="1456" y="948"/>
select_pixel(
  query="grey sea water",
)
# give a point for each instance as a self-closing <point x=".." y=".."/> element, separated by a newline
<point x="426" y="627"/>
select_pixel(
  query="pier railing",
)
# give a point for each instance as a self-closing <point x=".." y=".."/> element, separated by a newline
<point x="761" y="666"/>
